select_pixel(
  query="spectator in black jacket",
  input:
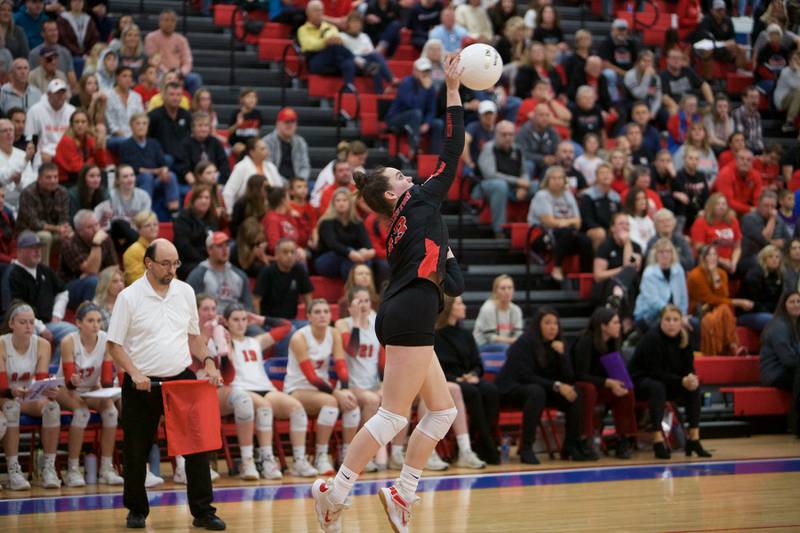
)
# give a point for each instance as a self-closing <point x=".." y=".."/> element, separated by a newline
<point x="598" y="204"/>
<point x="424" y="17"/>
<point x="602" y="336"/>
<point x="191" y="228"/>
<point x="618" y="51"/>
<point x="382" y="24"/>
<point x="343" y="239"/>
<point x="201" y="146"/>
<point x="458" y="355"/>
<point x="538" y="373"/>
<point x="170" y="124"/>
<point x="763" y="284"/>
<point x="718" y="27"/>
<point x="662" y="369"/>
<point x="591" y="75"/>
<point x="780" y="353"/>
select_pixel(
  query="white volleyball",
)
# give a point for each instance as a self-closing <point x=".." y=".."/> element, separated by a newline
<point x="482" y="66"/>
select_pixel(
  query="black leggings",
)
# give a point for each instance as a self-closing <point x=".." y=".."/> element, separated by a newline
<point x="789" y="380"/>
<point x="483" y="407"/>
<point x="657" y="393"/>
<point x="532" y="399"/>
<point x="569" y="241"/>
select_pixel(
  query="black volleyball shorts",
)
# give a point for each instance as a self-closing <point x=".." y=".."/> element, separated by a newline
<point x="409" y="317"/>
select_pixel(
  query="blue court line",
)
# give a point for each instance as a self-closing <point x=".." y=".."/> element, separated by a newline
<point x="86" y="502"/>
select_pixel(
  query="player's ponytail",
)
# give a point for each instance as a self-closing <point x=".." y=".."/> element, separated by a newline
<point x="371" y="187"/>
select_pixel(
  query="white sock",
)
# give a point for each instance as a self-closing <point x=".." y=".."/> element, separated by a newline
<point x="345" y="447"/>
<point x="464" y="445"/>
<point x="180" y="462"/>
<point x="265" y="452"/>
<point x="12" y="460"/>
<point x="298" y="452"/>
<point x="73" y="463"/>
<point x="342" y="484"/>
<point x="322" y="449"/>
<point x="246" y="452"/>
<point x="50" y="460"/>
<point x="406" y="484"/>
<point x="106" y="463"/>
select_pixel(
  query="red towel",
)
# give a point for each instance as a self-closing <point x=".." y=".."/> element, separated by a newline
<point x="191" y="415"/>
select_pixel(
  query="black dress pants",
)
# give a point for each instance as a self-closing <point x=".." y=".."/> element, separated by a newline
<point x="141" y="412"/>
<point x="657" y="393"/>
<point x="532" y="398"/>
<point x="483" y="408"/>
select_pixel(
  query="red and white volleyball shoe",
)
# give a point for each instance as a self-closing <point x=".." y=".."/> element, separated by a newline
<point x="398" y="510"/>
<point x="329" y="514"/>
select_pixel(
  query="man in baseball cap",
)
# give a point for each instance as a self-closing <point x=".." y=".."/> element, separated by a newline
<point x="48" y="120"/>
<point x="478" y="133"/>
<point x="288" y="150"/>
<point x="47" y="71"/>
<point x="718" y="26"/>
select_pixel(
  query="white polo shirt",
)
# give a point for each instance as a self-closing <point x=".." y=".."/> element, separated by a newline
<point x="154" y="331"/>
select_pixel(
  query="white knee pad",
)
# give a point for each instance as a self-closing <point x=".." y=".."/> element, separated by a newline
<point x="264" y="419"/>
<point x="51" y="415"/>
<point x="242" y="405"/>
<point x="327" y="416"/>
<point x="436" y="424"/>
<point x="80" y="418"/>
<point x="384" y="425"/>
<point x="110" y="417"/>
<point x="351" y="419"/>
<point x="11" y="410"/>
<point x="3" y="427"/>
<point x="298" y="420"/>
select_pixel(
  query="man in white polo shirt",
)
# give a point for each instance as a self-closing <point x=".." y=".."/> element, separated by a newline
<point x="153" y="327"/>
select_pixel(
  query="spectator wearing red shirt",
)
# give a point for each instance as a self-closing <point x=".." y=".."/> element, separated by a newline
<point x="78" y="148"/>
<point x="543" y="93"/>
<point x="640" y="179"/>
<point x="768" y="165"/>
<point x="740" y="183"/>
<point x="719" y="226"/>
<point x="689" y="16"/>
<point x="8" y="244"/>
<point x="678" y="124"/>
<point x="736" y="143"/>
<point x="342" y="177"/>
<point x="148" y="84"/>
<point x="620" y="169"/>
<point x="298" y="201"/>
<point x="281" y="223"/>
<point x="378" y="230"/>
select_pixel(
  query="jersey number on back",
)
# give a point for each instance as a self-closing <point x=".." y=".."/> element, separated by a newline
<point x="365" y="351"/>
<point x="397" y="233"/>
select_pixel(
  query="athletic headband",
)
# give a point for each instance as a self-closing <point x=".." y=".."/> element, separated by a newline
<point x="86" y="308"/>
<point x="19" y="309"/>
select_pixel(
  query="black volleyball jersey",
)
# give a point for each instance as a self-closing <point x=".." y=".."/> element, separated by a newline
<point x="418" y="240"/>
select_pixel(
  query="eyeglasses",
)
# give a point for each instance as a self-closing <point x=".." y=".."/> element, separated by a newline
<point x="168" y="265"/>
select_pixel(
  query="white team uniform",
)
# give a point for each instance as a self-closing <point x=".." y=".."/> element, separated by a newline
<point x="249" y="367"/>
<point x="319" y="353"/>
<point x="363" y="368"/>
<point x="20" y="367"/>
<point x="88" y="365"/>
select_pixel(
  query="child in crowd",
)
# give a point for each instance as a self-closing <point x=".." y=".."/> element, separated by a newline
<point x="589" y="160"/>
<point x="786" y="209"/>
<point x="148" y="84"/>
<point x="245" y="123"/>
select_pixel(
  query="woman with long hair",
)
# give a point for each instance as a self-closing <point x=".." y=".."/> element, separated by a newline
<point x="461" y="363"/>
<point x="359" y="276"/>
<point x="548" y="28"/>
<point x="511" y="44"/>
<point x="125" y="199"/>
<point x="16" y="41"/>
<point x="131" y="49"/>
<point x="643" y="82"/>
<point x="662" y="369"/>
<point x="719" y="123"/>
<point x="253" y="204"/>
<point x="24" y="356"/>
<point x="538" y="373"/>
<point x="203" y="101"/>
<point x="780" y="353"/>
<point x="88" y="192"/>
<point x="499" y="321"/>
<point x="719" y="226"/>
<point x="533" y="67"/>
<point x="418" y="252"/>
<point x="707" y="284"/>
<point x="110" y="283"/>
<point x="91" y="98"/>
<point x="602" y="337"/>
<point x="208" y="173"/>
<point x="251" y="247"/>
<point x="86" y="365"/>
<point x="255" y="161"/>
<point x="763" y="284"/>
<point x="736" y="143"/>
<point x="192" y="226"/>
<point x="697" y="137"/>
<point x="791" y="265"/>
<point x="343" y="239"/>
<point x="641" y="225"/>
<point x="78" y="148"/>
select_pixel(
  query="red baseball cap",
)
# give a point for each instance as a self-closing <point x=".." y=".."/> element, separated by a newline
<point x="287" y="114"/>
<point x="217" y="237"/>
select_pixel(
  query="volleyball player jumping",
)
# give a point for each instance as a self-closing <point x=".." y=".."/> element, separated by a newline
<point x="418" y="254"/>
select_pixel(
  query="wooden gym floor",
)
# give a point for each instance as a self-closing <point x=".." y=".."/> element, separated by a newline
<point x="750" y="485"/>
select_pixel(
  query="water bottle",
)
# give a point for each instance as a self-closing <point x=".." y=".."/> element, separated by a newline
<point x="706" y="399"/>
<point x="90" y="464"/>
<point x="220" y="341"/>
<point x="505" y="448"/>
<point x="155" y="460"/>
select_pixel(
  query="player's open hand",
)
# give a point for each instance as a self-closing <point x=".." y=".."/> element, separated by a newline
<point x="453" y="71"/>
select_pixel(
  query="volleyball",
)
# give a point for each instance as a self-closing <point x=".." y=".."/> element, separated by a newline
<point x="482" y="66"/>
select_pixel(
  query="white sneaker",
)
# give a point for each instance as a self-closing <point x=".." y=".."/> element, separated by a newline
<point x="109" y="476"/>
<point x="323" y="465"/>
<point x="270" y="469"/>
<point x="371" y="466"/>
<point x="16" y="479"/>
<point x="248" y="470"/>
<point x="396" y="459"/>
<point x="48" y="478"/>
<point x="436" y="463"/>
<point x="398" y="511"/>
<point x="179" y="476"/>
<point x="470" y="460"/>
<point x="151" y="480"/>
<point x="74" y="478"/>
<point x="302" y="468"/>
<point x="214" y="474"/>
<point x="328" y="513"/>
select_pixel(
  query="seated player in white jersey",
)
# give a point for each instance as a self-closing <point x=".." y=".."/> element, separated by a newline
<point x="310" y="352"/>
<point x="23" y="357"/>
<point x="365" y="355"/>
<point x="85" y="366"/>
<point x="244" y="373"/>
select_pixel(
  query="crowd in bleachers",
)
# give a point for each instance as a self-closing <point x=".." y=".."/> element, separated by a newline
<point x="628" y="159"/>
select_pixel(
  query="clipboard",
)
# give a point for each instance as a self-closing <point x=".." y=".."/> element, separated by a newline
<point x="37" y="389"/>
